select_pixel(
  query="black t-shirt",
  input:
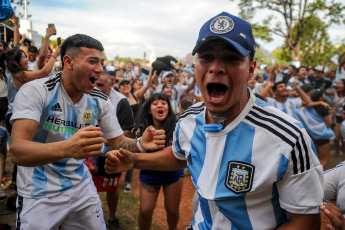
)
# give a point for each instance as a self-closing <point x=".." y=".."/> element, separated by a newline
<point x="321" y="110"/>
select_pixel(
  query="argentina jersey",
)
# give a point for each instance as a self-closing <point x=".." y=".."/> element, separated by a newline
<point x="59" y="119"/>
<point x="288" y="107"/>
<point x="249" y="175"/>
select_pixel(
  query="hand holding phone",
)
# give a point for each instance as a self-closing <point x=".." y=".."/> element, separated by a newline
<point x="59" y="41"/>
<point x="51" y="25"/>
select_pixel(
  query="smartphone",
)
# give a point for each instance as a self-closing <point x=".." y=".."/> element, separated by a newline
<point x="59" y="41"/>
<point x="51" y="25"/>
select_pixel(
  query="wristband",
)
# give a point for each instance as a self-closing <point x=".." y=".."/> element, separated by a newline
<point x="141" y="149"/>
<point x="54" y="56"/>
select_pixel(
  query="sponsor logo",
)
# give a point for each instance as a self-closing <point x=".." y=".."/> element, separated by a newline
<point x="239" y="176"/>
<point x="222" y="25"/>
<point x="56" y="108"/>
<point x="62" y="126"/>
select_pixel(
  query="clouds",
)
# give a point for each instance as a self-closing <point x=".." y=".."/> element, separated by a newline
<point x="132" y="27"/>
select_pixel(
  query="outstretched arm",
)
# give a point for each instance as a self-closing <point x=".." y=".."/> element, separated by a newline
<point x="122" y="160"/>
<point x="302" y="221"/>
<point x="151" y="139"/>
<point x="44" y="48"/>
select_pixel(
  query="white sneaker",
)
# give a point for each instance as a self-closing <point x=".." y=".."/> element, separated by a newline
<point x="127" y="188"/>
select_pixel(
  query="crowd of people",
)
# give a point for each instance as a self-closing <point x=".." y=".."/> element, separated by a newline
<point x="256" y="140"/>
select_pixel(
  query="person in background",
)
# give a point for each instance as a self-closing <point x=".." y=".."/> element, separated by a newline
<point x="338" y="103"/>
<point x="158" y="113"/>
<point x="168" y="90"/>
<point x="105" y="182"/>
<point x="318" y="121"/>
<point x="134" y="99"/>
<point x="3" y="154"/>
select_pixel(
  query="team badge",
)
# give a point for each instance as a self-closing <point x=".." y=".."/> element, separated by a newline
<point x="88" y="115"/>
<point x="239" y="176"/>
<point x="222" y="25"/>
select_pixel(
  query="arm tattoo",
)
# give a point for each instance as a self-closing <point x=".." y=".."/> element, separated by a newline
<point x="128" y="144"/>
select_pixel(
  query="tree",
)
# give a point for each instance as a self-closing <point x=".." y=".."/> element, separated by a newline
<point x="289" y="14"/>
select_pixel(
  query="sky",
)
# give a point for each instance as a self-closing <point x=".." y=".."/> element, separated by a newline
<point x="129" y="28"/>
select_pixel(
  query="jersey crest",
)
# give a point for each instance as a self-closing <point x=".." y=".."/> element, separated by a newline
<point x="239" y="176"/>
<point x="88" y="115"/>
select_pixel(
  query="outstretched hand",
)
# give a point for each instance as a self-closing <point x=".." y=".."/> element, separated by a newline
<point x="153" y="139"/>
<point x="85" y="143"/>
<point x="119" y="161"/>
<point x="335" y="215"/>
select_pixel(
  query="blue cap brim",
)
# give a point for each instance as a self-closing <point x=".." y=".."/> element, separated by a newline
<point x="244" y="52"/>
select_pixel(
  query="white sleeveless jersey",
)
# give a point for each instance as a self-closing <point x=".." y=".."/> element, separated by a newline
<point x="46" y="101"/>
<point x="249" y="175"/>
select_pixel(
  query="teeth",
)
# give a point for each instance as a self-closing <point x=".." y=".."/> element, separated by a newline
<point x="216" y="98"/>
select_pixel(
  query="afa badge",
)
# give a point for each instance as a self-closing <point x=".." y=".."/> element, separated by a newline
<point x="88" y="115"/>
<point x="239" y="176"/>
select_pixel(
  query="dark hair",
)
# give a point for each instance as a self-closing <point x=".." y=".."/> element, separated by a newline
<point x="13" y="59"/>
<point x="33" y="49"/>
<point x="342" y="92"/>
<point x="302" y="66"/>
<point x="144" y="117"/>
<point x="77" y="41"/>
<point x="276" y="85"/>
<point x="165" y="85"/>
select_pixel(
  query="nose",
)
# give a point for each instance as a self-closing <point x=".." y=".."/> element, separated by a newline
<point x="217" y="67"/>
<point x="99" y="68"/>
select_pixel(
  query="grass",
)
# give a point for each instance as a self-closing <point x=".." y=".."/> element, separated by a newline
<point x="127" y="209"/>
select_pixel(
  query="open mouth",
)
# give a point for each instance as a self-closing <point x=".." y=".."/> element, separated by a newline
<point x="160" y="111"/>
<point x="216" y="91"/>
<point x="93" y="80"/>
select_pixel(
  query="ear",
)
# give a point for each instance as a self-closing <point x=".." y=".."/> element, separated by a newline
<point x="251" y="69"/>
<point x="68" y="62"/>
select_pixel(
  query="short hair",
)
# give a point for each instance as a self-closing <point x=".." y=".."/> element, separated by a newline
<point x="33" y="49"/>
<point x="302" y="66"/>
<point x="106" y="73"/>
<point x="165" y="85"/>
<point x="276" y="85"/>
<point x="78" y="41"/>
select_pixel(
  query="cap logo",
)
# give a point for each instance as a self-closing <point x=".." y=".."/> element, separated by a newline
<point x="222" y="25"/>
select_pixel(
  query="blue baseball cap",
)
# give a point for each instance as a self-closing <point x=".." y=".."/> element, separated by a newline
<point x="234" y="30"/>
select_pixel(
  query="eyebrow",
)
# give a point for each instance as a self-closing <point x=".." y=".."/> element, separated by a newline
<point x="96" y="58"/>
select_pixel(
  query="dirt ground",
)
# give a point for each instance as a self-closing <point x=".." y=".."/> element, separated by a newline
<point x="159" y="216"/>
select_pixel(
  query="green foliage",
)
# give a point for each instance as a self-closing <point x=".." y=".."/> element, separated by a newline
<point x="282" y="55"/>
<point x="290" y="19"/>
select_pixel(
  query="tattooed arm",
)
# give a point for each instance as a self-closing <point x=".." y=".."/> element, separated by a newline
<point x="152" y="139"/>
<point x="124" y="142"/>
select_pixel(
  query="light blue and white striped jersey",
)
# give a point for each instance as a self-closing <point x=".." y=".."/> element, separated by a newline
<point x="46" y="101"/>
<point x="289" y="107"/>
<point x="249" y="175"/>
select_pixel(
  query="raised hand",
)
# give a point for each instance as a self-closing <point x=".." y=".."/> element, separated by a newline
<point x="153" y="139"/>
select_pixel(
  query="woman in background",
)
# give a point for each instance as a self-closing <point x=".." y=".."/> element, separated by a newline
<point x="158" y="113"/>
